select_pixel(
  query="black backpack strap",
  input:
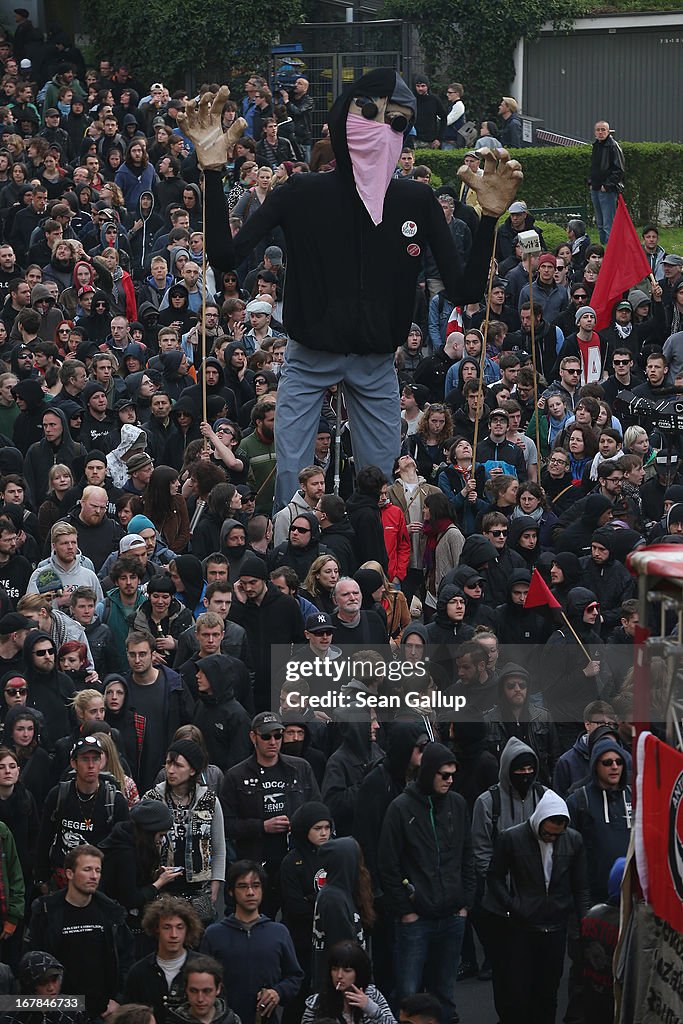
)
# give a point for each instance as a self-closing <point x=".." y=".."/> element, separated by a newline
<point x="495" y="809"/>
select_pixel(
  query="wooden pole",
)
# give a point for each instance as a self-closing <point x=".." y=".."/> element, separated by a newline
<point x="575" y="635"/>
<point x="482" y="358"/>
<point x="203" y="349"/>
<point x="533" y="363"/>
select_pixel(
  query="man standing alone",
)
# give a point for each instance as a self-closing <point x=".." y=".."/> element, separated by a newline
<point x="606" y="178"/>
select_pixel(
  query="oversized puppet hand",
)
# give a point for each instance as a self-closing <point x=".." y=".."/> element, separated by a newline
<point x="497" y="187"/>
<point x="202" y="123"/>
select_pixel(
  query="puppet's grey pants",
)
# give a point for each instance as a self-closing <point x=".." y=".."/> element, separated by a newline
<point x="372" y="402"/>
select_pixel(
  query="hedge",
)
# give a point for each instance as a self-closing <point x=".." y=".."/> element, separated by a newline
<point x="557" y="176"/>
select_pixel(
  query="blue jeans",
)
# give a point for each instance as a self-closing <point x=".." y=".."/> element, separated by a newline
<point x="605" y="206"/>
<point x="428" y="957"/>
<point x="371" y="394"/>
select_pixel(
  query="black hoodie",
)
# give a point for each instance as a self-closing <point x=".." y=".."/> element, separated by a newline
<point x="299" y="559"/>
<point x="383" y="784"/>
<point x="346" y="769"/>
<point x="375" y="262"/>
<point x="426" y="840"/>
<point x="336" y="916"/>
<point x="301" y="877"/>
<point x="130" y="725"/>
<point x="43" y="455"/>
<point x="222" y="719"/>
<point x="611" y="581"/>
<point x="571" y="570"/>
<point x="49" y="692"/>
<point x="566" y="690"/>
<point x="36" y="768"/>
<point x="28" y="426"/>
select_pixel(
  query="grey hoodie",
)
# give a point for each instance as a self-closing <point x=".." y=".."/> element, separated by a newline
<point x="513" y="809"/>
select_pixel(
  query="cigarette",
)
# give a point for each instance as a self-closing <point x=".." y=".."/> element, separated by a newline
<point x="338" y="986"/>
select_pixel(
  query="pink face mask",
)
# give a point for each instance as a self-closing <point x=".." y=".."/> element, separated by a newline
<point x="374" y="149"/>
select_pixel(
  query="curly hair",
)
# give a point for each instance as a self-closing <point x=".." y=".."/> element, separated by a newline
<point x="173" y="906"/>
<point x="423" y="425"/>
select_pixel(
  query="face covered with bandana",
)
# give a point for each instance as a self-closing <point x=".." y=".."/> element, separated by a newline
<point x="380" y="110"/>
<point x="523" y="774"/>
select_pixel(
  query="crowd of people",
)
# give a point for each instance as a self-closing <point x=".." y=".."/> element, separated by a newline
<point x="155" y="762"/>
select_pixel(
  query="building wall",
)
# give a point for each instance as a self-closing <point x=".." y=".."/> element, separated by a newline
<point x="626" y="70"/>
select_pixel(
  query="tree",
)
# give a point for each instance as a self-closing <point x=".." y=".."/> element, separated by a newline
<point x="168" y="38"/>
<point x="478" y="48"/>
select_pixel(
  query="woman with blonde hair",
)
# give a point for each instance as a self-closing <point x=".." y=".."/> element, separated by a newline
<point x="320" y="582"/>
<point x="60" y="480"/>
<point x="394" y="604"/>
<point x="112" y="764"/>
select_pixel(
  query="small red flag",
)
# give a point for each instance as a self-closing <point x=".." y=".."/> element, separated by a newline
<point x="624" y="265"/>
<point x="540" y="593"/>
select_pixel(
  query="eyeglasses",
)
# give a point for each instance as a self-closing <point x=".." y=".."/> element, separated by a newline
<point x="277" y="734"/>
<point x="16" y="691"/>
<point x="299" y="529"/>
<point x="44" y="651"/>
<point x="498" y="533"/>
<point x="557" y="462"/>
<point x="608" y="762"/>
<point x="446" y="776"/>
<point x="603" y="721"/>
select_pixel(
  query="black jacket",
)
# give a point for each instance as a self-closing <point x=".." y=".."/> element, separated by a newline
<point x="222" y="719"/>
<point x="277" y="620"/>
<point x="374" y="261"/>
<point x="607" y="165"/>
<point x="366" y="520"/>
<point x="146" y="983"/>
<point x="526" y="899"/>
<point x="346" y="769"/>
<point x="45" y="933"/>
<point x="122" y="879"/>
<point x="242" y="801"/>
<point x="426" y="839"/>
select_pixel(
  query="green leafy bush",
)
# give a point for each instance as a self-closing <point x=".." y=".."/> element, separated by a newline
<point x="554" y="176"/>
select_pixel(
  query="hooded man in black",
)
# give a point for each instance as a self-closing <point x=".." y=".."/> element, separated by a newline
<point x="299" y="557"/>
<point x="368" y="216"/>
<point x="565" y="573"/>
<point x="513" y="715"/>
<point x="222" y="719"/>
<point x="42" y="456"/>
<point x="348" y="766"/>
<point x="49" y="689"/>
<point x="427" y="872"/>
<point x="521" y="630"/>
<point x="571" y="678"/>
<point x="28" y="426"/>
<point x="302" y="875"/>
<point x="477" y="613"/>
<point x="336" y="917"/>
<point x="609" y="579"/>
<point x="445" y="633"/>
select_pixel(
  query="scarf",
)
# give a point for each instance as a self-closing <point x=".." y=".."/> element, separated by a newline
<point x="433" y="531"/>
<point x="623" y="330"/>
<point x="556" y="426"/>
<point x="577" y="467"/>
<point x="536" y="515"/>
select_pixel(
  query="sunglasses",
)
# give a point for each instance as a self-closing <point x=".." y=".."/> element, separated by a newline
<point x="610" y="761"/>
<point x="499" y="533"/>
<point x="16" y="691"/>
<point x="44" y="651"/>
<point x="581" y="298"/>
<point x="621" y="362"/>
<point x="277" y="734"/>
<point x="324" y="632"/>
<point x="568" y="370"/>
<point x="516" y="686"/>
<point x="446" y="776"/>
<point x="299" y="529"/>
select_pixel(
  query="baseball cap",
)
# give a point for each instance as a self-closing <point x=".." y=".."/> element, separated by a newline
<point x="274" y="254"/>
<point x="85" y="744"/>
<point x="126" y="403"/>
<point x="624" y="305"/>
<point x="319" y="623"/>
<point x="672" y="259"/>
<point x="47" y="581"/>
<point x="131" y="540"/>
<point x="519" y="206"/>
<point x="265" y="721"/>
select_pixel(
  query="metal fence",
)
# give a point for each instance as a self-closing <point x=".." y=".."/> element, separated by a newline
<point x="328" y="73"/>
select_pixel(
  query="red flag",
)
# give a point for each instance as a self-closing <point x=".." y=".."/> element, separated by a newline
<point x="659" y="827"/>
<point x="540" y="593"/>
<point x="624" y="265"/>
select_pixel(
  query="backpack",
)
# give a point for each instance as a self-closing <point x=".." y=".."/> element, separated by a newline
<point x="110" y="791"/>
<point x="494" y="790"/>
